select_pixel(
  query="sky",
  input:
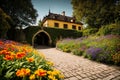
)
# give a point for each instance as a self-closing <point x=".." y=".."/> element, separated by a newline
<point x="55" y="6"/>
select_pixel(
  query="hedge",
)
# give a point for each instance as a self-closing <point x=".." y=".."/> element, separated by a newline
<point x="55" y="33"/>
<point x="30" y="31"/>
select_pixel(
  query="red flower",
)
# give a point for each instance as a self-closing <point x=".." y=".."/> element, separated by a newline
<point x="20" y="55"/>
<point x="5" y="52"/>
<point x="8" y="57"/>
<point x="1" y="43"/>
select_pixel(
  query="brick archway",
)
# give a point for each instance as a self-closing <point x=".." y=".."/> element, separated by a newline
<point x="41" y="38"/>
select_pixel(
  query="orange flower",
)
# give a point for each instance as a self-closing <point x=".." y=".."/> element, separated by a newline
<point x="25" y="50"/>
<point x="1" y="42"/>
<point x="20" y="55"/>
<point x="23" y="72"/>
<point x="0" y="52"/>
<point x="9" y="57"/>
<point x="5" y="52"/>
<point x="30" y="59"/>
<point x="40" y="72"/>
<point x="14" y="43"/>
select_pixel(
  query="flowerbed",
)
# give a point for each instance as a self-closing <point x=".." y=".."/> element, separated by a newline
<point x="99" y="48"/>
<point x="22" y="62"/>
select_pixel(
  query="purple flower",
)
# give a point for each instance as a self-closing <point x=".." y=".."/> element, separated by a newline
<point x="93" y="52"/>
<point x="111" y="36"/>
<point x="80" y="39"/>
<point x="66" y="40"/>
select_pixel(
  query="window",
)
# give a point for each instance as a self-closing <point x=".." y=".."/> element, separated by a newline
<point x="79" y="28"/>
<point x="56" y="24"/>
<point x="73" y="27"/>
<point x="65" y="26"/>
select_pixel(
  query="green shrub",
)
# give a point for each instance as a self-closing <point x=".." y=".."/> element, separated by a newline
<point x="57" y="33"/>
<point x="104" y="57"/>
<point x="89" y="31"/>
<point x="67" y="46"/>
<point x="78" y="52"/>
<point x="116" y="58"/>
<point x="109" y="29"/>
<point x="98" y="48"/>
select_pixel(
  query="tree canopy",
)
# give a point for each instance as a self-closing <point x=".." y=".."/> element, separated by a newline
<point x="96" y="13"/>
<point x="4" y="23"/>
<point x="21" y="11"/>
<point x="40" y="23"/>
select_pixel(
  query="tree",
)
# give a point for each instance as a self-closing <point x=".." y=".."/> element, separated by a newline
<point x="40" y="23"/>
<point x="96" y="12"/>
<point x="21" y="11"/>
<point x="4" y="23"/>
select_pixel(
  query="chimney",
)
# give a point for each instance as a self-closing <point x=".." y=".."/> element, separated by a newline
<point x="63" y="13"/>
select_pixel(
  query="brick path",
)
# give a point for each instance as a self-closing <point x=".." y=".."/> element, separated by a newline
<point x="78" y="68"/>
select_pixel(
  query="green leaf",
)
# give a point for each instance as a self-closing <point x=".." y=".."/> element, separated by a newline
<point x="1" y="69"/>
<point x="9" y="74"/>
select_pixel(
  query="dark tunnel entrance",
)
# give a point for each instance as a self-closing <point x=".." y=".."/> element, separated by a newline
<point x="41" y="39"/>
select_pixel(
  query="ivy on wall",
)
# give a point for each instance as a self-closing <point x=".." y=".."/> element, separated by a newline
<point x="55" y="33"/>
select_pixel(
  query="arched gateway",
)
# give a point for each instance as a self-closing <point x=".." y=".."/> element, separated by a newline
<point x="41" y="38"/>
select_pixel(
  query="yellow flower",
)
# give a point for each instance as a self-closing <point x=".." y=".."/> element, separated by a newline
<point x="49" y="72"/>
<point x="30" y="59"/>
<point x="61" y="76"/>
<point x="52" y="74"/>
<point x="32" y="77"/>
<point x="56" y="71"/>
<point x="50" y="63"/>
<point x="27" y="72"/>
<point x="40" y="72"/>
<point x="23" y="72"/>
<point x="51" y="77"/>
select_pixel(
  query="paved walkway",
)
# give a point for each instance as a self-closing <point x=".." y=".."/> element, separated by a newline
<point x="78" y="68"/>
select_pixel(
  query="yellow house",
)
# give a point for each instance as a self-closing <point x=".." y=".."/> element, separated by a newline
<point x="61" y="21"/>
